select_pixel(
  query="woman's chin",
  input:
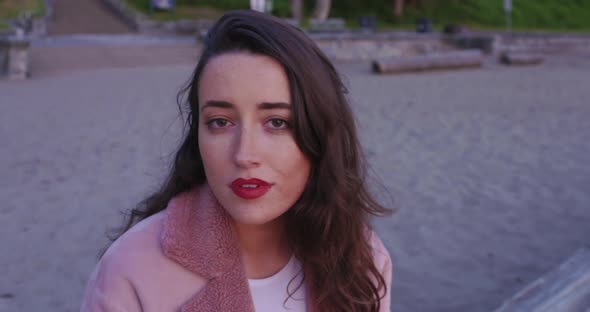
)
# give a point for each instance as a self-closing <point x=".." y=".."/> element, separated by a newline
<point x="250" y="216"/>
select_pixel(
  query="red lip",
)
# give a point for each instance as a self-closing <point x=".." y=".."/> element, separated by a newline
<point x="250" y="188"/>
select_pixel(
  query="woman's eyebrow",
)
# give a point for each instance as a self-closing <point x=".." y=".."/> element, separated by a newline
<point x="220" y="104"/>
<point x="260" y="106"/>
<point x="274" y="105"/>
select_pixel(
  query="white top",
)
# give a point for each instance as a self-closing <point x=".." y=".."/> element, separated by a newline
<point x="269" y="294"/>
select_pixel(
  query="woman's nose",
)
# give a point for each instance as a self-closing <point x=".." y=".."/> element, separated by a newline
<point x="246" y="151"/>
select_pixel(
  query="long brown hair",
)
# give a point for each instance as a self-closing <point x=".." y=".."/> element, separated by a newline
<point x="328" y="225"/>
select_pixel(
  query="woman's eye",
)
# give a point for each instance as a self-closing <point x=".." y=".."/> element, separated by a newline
<point x="277" y="123"/>
<point x="218" y="123"/>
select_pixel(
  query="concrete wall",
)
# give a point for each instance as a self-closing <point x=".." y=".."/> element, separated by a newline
<point x="14" y="58"/>
<point x="141" y="23"/>
<point x="544" y="43"/>
<point x="353" y="46"/>
<point x="359" y="45"/>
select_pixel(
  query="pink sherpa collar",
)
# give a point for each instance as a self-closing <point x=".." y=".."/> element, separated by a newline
<point x="198" y="234"/>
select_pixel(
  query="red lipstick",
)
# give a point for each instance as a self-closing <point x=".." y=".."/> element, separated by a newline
<point x="250" y="188"/>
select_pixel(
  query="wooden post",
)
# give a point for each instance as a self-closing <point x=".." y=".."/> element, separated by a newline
<point x="321" y="10"/>
<point x="520" y="58"/>
<point x="296" y="9"/>
<point x="508" y="11"/>
<point x="15" y="53"/>
<point x="398" y="8"/>
<point x="435" y="61"/>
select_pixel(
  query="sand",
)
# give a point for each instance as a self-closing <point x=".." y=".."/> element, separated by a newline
<point x="488" y="167"/>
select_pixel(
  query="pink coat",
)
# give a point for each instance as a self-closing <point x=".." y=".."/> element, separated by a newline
<point x="184" y="258"/>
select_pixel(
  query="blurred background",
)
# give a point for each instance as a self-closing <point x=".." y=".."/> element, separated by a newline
<point x="473" y="115"/>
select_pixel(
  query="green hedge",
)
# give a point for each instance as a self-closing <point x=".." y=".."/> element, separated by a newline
<point x="13" y="9"/>
<point x="527" y="14"/>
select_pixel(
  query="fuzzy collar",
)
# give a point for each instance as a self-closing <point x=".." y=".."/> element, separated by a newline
<point x="199" y="235"/>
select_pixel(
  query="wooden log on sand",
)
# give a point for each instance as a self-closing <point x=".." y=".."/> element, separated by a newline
<point x="567" y="289"/>
<point x="434" y="61"/>
<point x="520" y="58"/>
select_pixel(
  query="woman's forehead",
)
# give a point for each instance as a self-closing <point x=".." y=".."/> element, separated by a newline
<point x="243" y="77"/>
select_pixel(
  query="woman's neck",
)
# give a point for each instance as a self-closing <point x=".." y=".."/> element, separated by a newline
<point x="264" y="248"/>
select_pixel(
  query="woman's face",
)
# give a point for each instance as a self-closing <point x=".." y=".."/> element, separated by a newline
<point x="251" y="161"/>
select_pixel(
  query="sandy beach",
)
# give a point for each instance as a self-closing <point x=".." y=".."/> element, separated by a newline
<point x="488" y="168"/>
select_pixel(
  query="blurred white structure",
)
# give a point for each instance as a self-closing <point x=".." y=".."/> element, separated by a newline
<point x="508" y="11"/>
<point x="163" y="4"/>
<point x="258" y="5"/>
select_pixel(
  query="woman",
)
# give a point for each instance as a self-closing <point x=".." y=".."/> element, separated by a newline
<point x="266" y="207"/>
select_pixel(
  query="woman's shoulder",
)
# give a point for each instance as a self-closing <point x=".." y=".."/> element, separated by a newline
<point x="134" y="273"/>
<point x="134" y="251"/>
<point x="112" y="285"/>
<point x="380" y="253"/>
<point x="141" y="240"/>
<point x="382" y="261"/>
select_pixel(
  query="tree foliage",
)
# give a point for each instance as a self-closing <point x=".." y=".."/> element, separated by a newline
<point x="533" y="14"/>
<point x="527" y="14"/>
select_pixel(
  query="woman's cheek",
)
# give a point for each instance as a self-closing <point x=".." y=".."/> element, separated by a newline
<point x="217" y="150"/>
